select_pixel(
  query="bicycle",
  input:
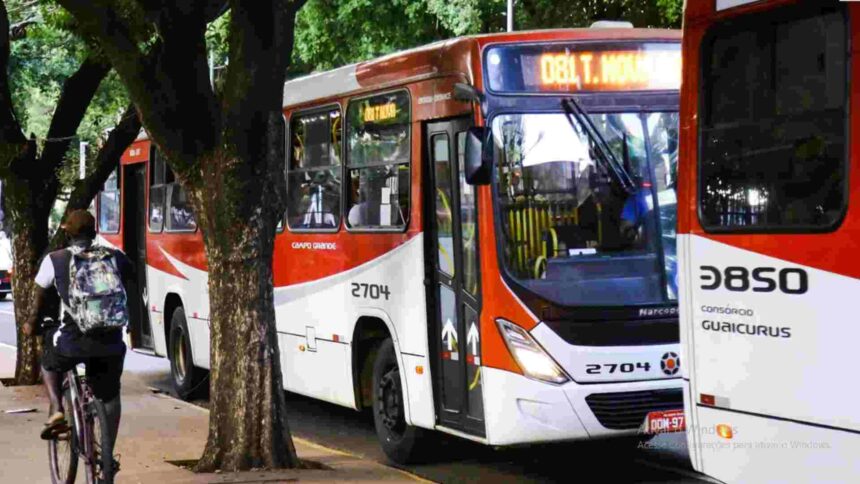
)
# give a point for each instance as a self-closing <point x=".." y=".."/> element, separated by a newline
<point x="87" y="439"/>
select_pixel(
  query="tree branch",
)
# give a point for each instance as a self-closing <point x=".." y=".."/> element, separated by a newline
<point x="77" y="93"/>
<point x="261" y="38"/>
<point x="113" y="35"/>
<point x="10" y="129"/>
<point x="169" y="85"/>
<point x="19" y="30"/>
<point x="105" y="163"/>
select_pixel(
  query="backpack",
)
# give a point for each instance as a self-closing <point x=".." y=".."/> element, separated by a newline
<point x="97" y="298"/>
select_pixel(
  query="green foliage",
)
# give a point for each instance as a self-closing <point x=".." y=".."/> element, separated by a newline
<point x="462" y="17"/>
<point x="672" y="11"/>
<point x="39" y="64"/>
<point x="541" y="14"/>
<point x="331" y="33"/>
<point x="218" y="39"/>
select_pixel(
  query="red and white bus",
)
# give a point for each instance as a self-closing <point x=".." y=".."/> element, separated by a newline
<point x="768" y="238"/>
<point x="480" y="240"/>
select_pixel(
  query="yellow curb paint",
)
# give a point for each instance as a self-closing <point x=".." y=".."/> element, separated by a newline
<point x="317" y="446"/>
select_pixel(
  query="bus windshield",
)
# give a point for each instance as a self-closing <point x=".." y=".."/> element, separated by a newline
<point x="570" y="232"/>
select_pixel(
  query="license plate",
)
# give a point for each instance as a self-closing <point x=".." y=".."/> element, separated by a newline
<point x="665" y="421"/>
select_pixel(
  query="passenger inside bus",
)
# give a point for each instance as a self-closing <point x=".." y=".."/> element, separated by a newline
<point x="181" y="213"/>
<point x="318" y="207"/>
<point x="313" y="178"/>
<point x="376" y="196"/>
<point x="378" y="155"/>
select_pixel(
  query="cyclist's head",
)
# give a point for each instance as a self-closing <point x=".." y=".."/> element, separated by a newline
<point x="80" y="224"/>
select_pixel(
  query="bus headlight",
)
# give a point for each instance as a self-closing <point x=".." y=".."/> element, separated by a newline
<point x="533" y="360"/>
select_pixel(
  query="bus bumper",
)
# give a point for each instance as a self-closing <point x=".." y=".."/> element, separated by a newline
<point x="519" y="410"/>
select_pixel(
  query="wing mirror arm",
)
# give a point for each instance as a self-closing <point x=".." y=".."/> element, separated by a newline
<point x="479" y="156"/>
<point x="479" y="143"/>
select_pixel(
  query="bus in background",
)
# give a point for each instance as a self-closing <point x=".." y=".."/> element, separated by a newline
<point x="768" y="233"/>
<point x="479" y="240"/>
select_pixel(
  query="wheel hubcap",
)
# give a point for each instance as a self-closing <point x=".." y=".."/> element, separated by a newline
<point x="391" y="403"/>
<point x="179" y="357"/>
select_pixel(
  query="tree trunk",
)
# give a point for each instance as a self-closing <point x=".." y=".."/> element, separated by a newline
<point x="28" y="212"/>
<point x="25" y="241"/>
<point x="247" y="425"/>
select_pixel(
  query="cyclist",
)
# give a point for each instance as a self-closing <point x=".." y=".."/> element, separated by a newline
<point x="102" y="352"/>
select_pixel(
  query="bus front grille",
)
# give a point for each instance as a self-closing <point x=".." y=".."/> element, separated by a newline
<point x="627" y="410"/>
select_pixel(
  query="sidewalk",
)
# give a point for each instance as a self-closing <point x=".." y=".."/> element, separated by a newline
<point x="7" y="361"/>
<point x="155" y="429"/>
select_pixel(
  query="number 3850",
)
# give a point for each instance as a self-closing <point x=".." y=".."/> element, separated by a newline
<point x="759" y="279"/>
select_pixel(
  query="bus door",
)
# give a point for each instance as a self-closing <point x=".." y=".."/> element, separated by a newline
<point x="134" y="243"/>
<point x="454" y="290"/>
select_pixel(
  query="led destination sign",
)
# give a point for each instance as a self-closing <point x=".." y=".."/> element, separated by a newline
<point x="382" y="112"/>
<point x="584" y="68"/>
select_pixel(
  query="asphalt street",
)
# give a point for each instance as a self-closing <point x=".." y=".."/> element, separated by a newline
<point x="452" y="459"/>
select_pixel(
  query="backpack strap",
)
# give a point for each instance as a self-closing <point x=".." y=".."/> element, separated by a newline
<point x="61" y="259"/>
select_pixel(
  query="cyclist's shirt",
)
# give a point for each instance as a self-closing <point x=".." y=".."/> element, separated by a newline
<point x="68" y="340"/>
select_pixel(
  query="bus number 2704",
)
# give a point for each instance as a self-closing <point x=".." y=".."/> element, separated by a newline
<point x="597" y="369"/>
<point x="370" y="291"/>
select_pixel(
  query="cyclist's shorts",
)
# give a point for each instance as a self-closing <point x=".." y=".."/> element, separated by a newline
<point x="103" y="372"/>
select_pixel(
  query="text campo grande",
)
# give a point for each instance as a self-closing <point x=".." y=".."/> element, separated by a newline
<point x="314" y="245"/>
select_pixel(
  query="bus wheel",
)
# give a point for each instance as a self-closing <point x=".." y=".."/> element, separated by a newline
<point x="400" y="441"/>
<point x="186" y="377"/>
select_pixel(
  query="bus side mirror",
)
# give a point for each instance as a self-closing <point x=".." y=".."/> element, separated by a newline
<point x="478" y="159"/>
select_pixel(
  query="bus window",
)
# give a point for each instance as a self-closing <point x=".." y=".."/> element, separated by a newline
<point x="109" y="205"/>
<point x="570" y="232"/>
<point x="773" y="125"/>
<point x="157" y="193"/>
<point x="444" y="214"/>
<point x="181" y="215"/>
<point x="663" y="145"/>
<point x="468" y="222"/>
<point x="314" y="175"/>
<point x="169" y="207"/>
<point x="378" y="154"/>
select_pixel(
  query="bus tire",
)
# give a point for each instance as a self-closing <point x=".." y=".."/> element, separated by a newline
<point x="185" y="376"/>
<point x="400" y="442"/>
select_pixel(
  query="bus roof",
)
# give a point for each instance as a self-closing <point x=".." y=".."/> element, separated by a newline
<point x="460" y="55"/>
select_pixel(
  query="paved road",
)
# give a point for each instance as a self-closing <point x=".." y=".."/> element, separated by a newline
<point x="456" y="460"/>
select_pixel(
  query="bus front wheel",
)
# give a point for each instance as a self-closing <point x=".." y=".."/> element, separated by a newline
<point x="400" y="441"/>
<point x="187" y="378"/>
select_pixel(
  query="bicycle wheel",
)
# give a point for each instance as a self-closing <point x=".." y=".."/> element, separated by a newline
<point x="102" y="449"/>
<point x="63" y="451"/>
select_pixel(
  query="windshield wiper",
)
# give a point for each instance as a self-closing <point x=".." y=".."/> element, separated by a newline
<point x="601" y="148"/>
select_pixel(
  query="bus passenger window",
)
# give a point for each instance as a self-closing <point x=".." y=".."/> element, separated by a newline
<point x="313" y="174"/>
<point x="109" y="205"/>
<point x="157" y="190"/>
<point x="180" y="214"/>
<point x="156" y="208"/>
<point x="378" y="155"/>
<point x="169" y="207"/>
<point x="773" y="148"/>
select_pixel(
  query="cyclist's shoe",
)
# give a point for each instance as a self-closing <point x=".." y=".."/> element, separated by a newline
<point x="55" y="425"/>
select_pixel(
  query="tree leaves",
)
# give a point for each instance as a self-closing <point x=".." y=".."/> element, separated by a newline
<point x="332" y="33"/>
